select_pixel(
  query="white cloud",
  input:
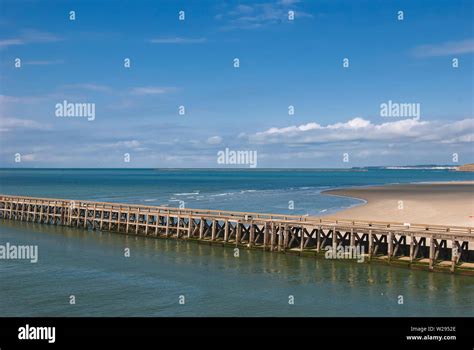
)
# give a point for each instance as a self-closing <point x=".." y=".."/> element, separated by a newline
<point x="289" y="2"/>
<point x="359" y="129"/>
<point x="243" y="9"/>
<point x="11" y="42"/>
<point x="445" y="49"/>
<point x="131" y="144"/>
<point x="177" y="40"/>
<point x="6" y="99"/>
<point x="214" y="140"/>
<point x="152" y="90"/>
<point x="88" y="86"/>
<point x="28" y="157"/>
<point x="29" y="36"/>
<point x="260" y="15"/>
<point x="7" y="124"/>
<point x="122" y="144"/>
<point x="43" y="62"/>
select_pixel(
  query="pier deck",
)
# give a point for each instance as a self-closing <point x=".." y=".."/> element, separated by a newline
<point x="430" y="247"/>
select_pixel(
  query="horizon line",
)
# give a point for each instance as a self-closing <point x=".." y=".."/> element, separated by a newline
<point x="236" y="168"/>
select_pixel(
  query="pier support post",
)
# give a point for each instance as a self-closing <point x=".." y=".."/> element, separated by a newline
<point x="237" y="233"/>
<point x="352" y="240"/>
<point x="412" y="246"/>
<point x="41" y="213"/>
<point x="201" y="228"/>
<point x="167" y="225"/>
<point x="371" y="241"/>
<point x="318" y="239"/>
<point x="146" y="217"/>
<point x="119" y="217"/>
<point x="301" y="238"/>
<point x="110" y="219"/>
<point x="273" y="237"/>
<point x="128" y="223"/>
<point x="390" y="246"/>
<point x="34" y="213"/>
<point x="280" y="237"/>
<point x="178" y="227"/>
<point x="454" y="254"/>
<point x="286" y="236"/>
<point x="265" y="235"/>
<point x="62" y="216"/>
<point x="213" y="232"/>
<point x="101" y="219"/>
<point x="93" y="216"/>
<point x="252" y="234"/>
<point x="137" y="221"/>
<point x="432" y="252"/>
<point x="190" y="227"/>
<point x="226" y="230"/>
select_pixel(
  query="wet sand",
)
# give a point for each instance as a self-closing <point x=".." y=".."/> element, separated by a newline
<point x="440" y="203"/>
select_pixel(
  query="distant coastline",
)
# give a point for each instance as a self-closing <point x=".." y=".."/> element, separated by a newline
<point x="466" y="167"/>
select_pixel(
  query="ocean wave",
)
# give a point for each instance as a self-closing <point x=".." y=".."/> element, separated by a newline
<point x="222" y="194"/>
<point x="186" y="193"/>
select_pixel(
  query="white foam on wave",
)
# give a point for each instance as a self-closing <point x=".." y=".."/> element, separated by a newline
<point x="222" y="194"/>
<point x="186" y="193"/>
<point x="248" y="191"/>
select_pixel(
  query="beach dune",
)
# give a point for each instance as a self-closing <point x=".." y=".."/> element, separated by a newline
<point x="447" y="203"/>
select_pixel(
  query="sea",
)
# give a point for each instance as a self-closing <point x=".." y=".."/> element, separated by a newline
<point x="92" y="273"/>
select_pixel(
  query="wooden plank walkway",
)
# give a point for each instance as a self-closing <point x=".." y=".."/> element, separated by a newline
<point x="433" y="247"/>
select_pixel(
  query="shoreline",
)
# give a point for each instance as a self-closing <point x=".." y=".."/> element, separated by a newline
<point x="439" y="203"/>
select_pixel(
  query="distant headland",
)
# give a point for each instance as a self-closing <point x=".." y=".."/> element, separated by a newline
<point x="466" y="167"/>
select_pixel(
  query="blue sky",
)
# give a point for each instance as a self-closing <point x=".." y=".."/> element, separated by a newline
<point x="190" y="63"/>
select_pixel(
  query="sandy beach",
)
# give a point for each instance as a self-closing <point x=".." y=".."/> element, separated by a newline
<point x="441" y="203"/>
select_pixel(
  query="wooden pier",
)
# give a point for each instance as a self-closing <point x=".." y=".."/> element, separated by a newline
<point x="430" y="247"/>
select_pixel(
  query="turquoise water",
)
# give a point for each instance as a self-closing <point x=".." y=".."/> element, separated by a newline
<point x="92" y="266"/>
<point x="246" y="190"/>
